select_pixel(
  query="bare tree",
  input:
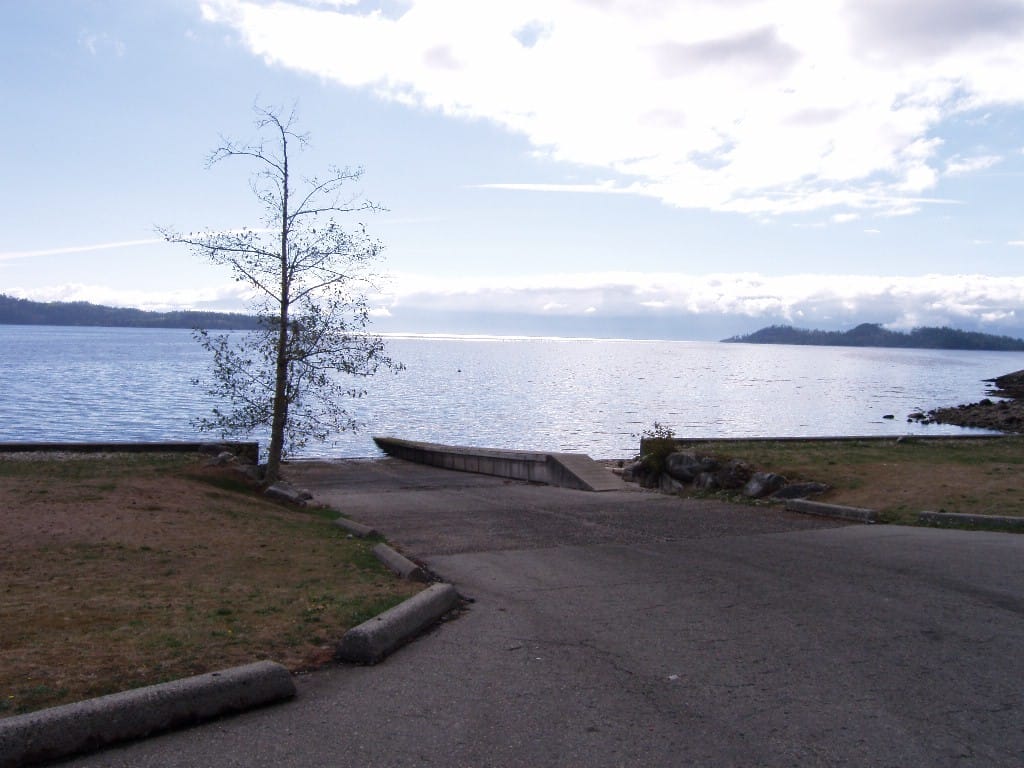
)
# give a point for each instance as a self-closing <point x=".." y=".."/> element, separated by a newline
<point x="310" y="277"/>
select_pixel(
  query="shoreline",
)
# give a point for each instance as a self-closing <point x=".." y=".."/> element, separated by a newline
<point x="1003" y="415"/>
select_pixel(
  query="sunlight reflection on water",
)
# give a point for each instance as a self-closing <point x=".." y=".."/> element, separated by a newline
<point x="80" y="384"/>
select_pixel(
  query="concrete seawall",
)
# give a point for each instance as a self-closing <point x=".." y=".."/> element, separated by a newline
<point x="566" y="470"/>
<point x="247" y="450"/>
<point x="682" y="443"/>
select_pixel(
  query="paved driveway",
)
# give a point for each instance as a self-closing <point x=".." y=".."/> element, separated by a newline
<point x="630" y="628"/>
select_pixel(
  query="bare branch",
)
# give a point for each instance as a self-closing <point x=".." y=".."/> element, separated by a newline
<point x="310" y="274"/>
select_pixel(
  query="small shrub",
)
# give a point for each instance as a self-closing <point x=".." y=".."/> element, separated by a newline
<point x="659" y="441"/>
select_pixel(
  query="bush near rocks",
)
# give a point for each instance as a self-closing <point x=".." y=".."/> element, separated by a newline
<point x="672" y="472"/>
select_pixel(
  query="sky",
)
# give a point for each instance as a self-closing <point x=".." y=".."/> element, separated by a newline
<point x="677" y="169"/>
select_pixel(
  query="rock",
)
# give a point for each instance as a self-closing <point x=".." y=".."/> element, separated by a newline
<point x="633" y="471"/>
<point x="800" y="491"/>
<point x="683" y="467"/>
<point x="251" y="471"/>
<point x="706" y="481"/>
<point x="733" y="474"/>
<point x="1003" y="416"/>
<point x="649" y="480"/>
<point x="762" y="484"/>
<point x="668" y="484"/>
<point x="889" y="416"/>
<point x="283" y="491"/>
<point x="223" y="459"/>
<point x="1010" y="385"/>
<point x="709" y="463"/>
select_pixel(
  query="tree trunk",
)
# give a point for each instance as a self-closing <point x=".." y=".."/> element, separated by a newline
<point x="280" y="416"/>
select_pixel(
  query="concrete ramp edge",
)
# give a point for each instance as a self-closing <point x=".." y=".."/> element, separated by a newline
<point x="565" y="470"/>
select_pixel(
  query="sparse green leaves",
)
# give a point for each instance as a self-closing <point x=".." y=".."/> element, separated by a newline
<point x="310" y="276"/>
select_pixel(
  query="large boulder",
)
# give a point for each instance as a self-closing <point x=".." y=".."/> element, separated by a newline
<point x="733" y="474"/>
<point x="763" y="484"/>
<point x="685" y="467"/>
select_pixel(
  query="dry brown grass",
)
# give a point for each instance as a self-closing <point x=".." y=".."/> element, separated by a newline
<point x="129" y="570"/>
<point x="979" y="476"/>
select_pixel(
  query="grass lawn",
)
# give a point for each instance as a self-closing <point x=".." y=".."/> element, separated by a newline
<point x="979" y="476"/>
<point x="121" y="571"/>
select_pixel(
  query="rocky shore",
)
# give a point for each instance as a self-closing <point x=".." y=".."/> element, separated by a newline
<point x="1005" y="415"/>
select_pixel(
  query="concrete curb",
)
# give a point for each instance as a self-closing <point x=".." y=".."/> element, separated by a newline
<point x="372" y="640"/>
<point x="60" y="732"/>
<point x="356" y="529"/>
<point x="995" y="522"/>
<point x="399" y="563"/>
<point x="857" y="514"/>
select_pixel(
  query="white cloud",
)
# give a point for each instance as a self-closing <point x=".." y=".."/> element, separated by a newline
<point x="807" y="300"/>
<point x="804" y="298"/>
<point x="228" y="296"/>
<point x="8" y="255"/>
<point x="929" y="30"/>
<point x="332" y="3"/>
<point x="760" y="107"/>
<point x="98" y="42"/>
<point x="1016" y="242"/>
<point x="604" y="187"/>
<point x="959" y="166"/>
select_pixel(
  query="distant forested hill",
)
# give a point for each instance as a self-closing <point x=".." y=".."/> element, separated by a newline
<point x="23" y="312"/>
<point x="874" y="335"/>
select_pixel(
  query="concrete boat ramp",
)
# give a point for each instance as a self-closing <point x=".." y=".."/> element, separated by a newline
<point x="565" y="470"/>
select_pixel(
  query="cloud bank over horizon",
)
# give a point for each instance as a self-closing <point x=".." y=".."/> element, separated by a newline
<point x="759" y="107"/>
<point x="635" y="305"/>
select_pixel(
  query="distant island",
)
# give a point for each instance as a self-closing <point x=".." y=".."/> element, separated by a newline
<point x="24" y="312"/>
<point x="874" y="335"/>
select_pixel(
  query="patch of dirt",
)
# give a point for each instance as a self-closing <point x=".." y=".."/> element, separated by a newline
<point x="133" y="510"/>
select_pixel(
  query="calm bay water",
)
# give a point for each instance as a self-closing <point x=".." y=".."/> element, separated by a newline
<point x="113" y="384"/>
